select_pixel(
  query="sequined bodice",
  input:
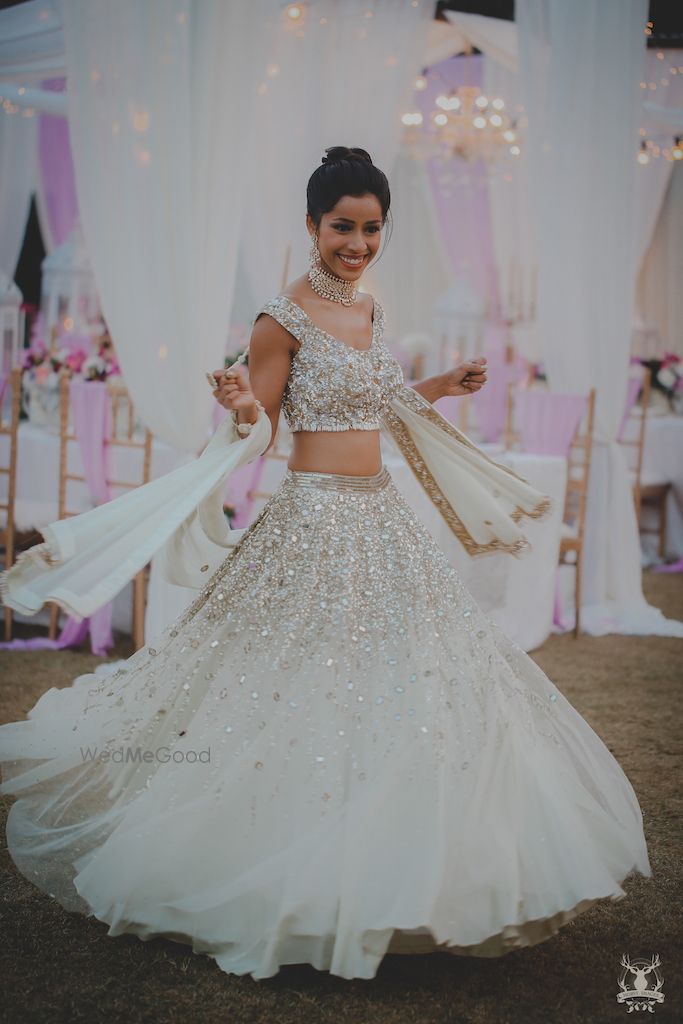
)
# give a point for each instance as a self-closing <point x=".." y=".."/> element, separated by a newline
<point x="332" y="386"/>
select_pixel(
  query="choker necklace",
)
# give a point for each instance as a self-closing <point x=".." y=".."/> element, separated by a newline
<point x="326" y="285"/>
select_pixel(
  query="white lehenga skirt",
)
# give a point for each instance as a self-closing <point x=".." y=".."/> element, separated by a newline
<point x="330" y="756"/>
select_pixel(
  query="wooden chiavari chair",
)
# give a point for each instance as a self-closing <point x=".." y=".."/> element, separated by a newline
<point x="120" y="403"/>
<point x="574" y="518"/>
<point x="635" y="446"/>
<point x="653" y="495"/>
<point x="9" y="428"/>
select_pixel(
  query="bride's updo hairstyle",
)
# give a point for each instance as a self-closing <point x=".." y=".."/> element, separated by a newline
<point x="346" y="172"/>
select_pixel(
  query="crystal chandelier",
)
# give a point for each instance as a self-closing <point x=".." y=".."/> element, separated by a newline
<point x="466" y="124"/>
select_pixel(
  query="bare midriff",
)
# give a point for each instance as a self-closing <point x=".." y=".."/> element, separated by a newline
<point x="351" y="452"/>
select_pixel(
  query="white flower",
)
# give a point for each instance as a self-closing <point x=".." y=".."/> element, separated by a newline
<point x="95" y="364"/>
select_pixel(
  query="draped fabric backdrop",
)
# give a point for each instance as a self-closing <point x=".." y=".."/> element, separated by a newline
<point x="414" y="269"/>
<point x="17" y="180"/>
<point x="653" y="178"/>
<point x="56" y="187"/>
<point x="583" y="178"/>
<point x="161" y="99"/>
<point x="460" y="189"/>
<point x="660" y="296"/>
<point x="512" y="225"/>
<point x="341" y="75"/>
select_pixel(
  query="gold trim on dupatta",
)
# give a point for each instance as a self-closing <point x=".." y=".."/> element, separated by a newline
<point x="410" y="452"/>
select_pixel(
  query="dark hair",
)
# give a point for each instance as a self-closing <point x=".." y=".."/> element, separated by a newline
<point x="345" y="171"/>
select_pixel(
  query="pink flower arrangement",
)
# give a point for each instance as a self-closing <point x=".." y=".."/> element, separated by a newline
<point x="75" y="354"/>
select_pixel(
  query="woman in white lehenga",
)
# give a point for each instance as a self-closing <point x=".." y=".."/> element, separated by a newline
<point x="332" y="754"/>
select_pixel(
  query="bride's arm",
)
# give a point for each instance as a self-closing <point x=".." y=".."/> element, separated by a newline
<point x="270" y="357"/>
<point x="430" y="388"/>
<point x="464" y="379"/>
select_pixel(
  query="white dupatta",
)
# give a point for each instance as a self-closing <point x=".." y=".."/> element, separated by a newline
<point x="480" y="500"/>
<point x="86" y="560"/>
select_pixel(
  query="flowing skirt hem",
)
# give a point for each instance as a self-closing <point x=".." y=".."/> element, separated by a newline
<point x="318" y="951"/>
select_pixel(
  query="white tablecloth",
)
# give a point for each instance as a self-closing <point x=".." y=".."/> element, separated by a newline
<point x="662" y="462"/>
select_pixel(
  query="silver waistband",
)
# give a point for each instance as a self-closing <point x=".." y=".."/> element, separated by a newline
<point x="338" y="481"/>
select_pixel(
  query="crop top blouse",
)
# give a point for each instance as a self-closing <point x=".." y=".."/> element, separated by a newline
<point x="332" y="386"/>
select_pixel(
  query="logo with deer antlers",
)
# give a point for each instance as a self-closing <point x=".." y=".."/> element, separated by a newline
<point x="644" y="990"/>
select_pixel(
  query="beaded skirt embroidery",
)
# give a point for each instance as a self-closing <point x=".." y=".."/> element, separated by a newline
<point x="330" y="756"/>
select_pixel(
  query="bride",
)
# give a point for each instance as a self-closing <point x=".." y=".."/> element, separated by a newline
<point x="332" y="754"/>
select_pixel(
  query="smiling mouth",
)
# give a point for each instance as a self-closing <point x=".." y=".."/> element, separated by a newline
<point x="350" y="262"/>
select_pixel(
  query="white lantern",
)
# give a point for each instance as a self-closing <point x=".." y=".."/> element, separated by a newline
<point x="11" y="324"/>
<point x="69" y="300"/>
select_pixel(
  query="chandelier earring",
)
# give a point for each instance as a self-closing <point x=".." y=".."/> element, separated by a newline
<point x="314" y="254"/>
<point x="326" y="285"/>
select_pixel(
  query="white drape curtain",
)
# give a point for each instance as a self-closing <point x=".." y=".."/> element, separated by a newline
<point x="496" y="37"/>
<point x="18" y="166"/>
<point x="659" y="122"/>
<point x="660" y="296"/>
<point x="160" y="110"/>
<point x="342" y="74"/>
<point x="583" y="188"/>
<point x="408" y="287"/>
<point x="512" y="224"/>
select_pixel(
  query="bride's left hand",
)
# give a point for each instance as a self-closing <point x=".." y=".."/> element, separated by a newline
<point x="466" y="378"/>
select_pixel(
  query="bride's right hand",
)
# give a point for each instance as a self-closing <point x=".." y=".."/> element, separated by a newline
<point x="234" y="389"/>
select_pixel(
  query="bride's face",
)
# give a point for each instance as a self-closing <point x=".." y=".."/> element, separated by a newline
<point x="349" y="235"/>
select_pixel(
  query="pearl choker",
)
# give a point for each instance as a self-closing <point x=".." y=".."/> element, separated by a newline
<point x="327" y="285"/>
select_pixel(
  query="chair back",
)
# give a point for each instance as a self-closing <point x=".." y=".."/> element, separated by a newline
<point x="544" y="422"/>
<point x="631" y="434"/>
<point x="547" y="423"/>
<point x="101" y="417"/>
<point x="488" y="406"/>
<point x="578" y="469"/>
<point x="10" y="411"/>
<point x="97" y="414"/>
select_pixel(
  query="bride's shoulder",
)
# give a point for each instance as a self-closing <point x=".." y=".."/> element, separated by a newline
<point x="297" y="290"/>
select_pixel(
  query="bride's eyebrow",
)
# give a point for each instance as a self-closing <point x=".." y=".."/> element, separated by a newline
<point x="349" y="221"/>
